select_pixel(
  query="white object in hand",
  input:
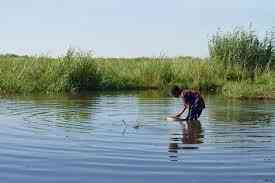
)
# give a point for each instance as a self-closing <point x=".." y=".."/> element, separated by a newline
<point x="174" y="118"/>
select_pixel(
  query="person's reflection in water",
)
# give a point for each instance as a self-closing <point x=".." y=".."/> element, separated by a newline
<point x="191" y="133"/>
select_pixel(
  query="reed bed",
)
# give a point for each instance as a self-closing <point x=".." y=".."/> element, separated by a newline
<point x="248" y="61"/>
<point x="78" y="72"/>
<point x="240" y="65"/>
<point x="47" y="75"/>
<point x="81" y="72"/>
<point x="243" y="48"/>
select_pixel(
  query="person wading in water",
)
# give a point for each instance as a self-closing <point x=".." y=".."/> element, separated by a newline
<point x="192" y="100"/>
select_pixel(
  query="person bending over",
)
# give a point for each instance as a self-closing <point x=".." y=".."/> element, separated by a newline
<point x="192" y="100"/>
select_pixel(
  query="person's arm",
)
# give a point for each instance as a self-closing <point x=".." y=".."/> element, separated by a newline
<point x="178" y="114"/>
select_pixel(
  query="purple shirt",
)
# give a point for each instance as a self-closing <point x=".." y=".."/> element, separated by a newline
<point x="189" y="97"/>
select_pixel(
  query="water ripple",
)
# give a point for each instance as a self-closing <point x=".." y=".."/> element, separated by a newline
<point x="124" y="138"/>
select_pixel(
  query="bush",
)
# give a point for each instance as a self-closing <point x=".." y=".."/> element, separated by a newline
<point x="81" y="72"/>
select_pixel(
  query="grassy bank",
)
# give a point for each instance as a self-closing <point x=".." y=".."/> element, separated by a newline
<point x="80" y="72"/>
<point x="240" y="65"/>
<point x="263" y="87"/>
<point x="251" y="54"/>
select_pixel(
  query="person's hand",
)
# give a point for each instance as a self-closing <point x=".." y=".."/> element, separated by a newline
<point x="177" y="115"/>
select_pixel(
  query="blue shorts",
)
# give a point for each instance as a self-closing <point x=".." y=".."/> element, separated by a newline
<point x="196" y="109"/>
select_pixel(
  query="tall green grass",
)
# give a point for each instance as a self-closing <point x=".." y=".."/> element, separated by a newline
<point x="160" y="73"/>
<point x="248" y="62"/>
<point x="240" y="65"/>
<point x="47" y="75"/>
<point x="242" y="48"/>
<point x="77" y="72"/>
<point x="262" y="87"/>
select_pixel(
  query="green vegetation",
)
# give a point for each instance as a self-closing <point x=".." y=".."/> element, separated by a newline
<point x="77" y="72"/>
<point x="240" y="65"/>
<point x="242" y="48"/>
<point x="47" y="75"/>
<point x="248" y="61"/>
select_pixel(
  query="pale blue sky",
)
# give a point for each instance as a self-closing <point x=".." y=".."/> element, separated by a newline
<point x="125" y="28"/>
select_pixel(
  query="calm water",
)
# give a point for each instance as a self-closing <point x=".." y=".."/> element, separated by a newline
<point x="124" y="138"/>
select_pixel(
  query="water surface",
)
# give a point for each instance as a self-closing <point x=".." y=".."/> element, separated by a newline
<point x="124" y="137"/>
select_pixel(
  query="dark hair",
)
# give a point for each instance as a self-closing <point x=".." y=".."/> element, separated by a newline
<point x="175" y="91"/>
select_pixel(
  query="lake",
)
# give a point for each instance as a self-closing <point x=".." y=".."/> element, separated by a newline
<point x="124" y="137"/>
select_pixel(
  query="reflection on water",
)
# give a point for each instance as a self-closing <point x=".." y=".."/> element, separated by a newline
<point x="191" y="133"/>
<point x="240" y="111"/>
<point x="241" y="124"/>
<point x="124" y="137"/>
<point x="68" y="112"/>
<point x="77" y="108"/>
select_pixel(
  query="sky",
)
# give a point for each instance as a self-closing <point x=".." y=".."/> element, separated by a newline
<point x="125" y="28"/>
